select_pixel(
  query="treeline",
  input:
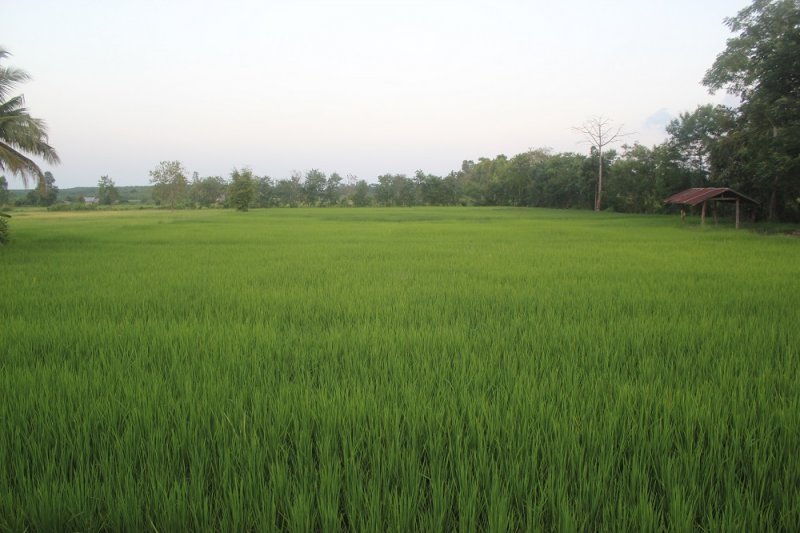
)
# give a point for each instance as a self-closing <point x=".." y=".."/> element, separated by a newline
<point x="637" y="178"/>
<point x="44" y="194"/>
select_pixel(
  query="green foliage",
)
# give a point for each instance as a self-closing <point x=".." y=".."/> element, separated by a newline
<point x="761" y="64"/>
<point x="360" y="196"/>
<point x="434" y="369"/>
<point x="74" y="206"/>
<point x="107" y="191"/>
<point x="642" y="177"/>
<point x="208" y="191"/>
<point x="241" y="190"/>
<point x="4" y="231"/>
<point x="170" y="186"/>
<point x="45" y="194"/>
<point x="333" y="189"/>
<point x="21" y="134"/>
<point x="4" y="194"/>
<point x="695" y="137"/>
<point x="314" y="187"/>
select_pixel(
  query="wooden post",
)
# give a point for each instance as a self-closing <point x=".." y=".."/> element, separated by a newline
<point x="716" y="217"/>
<point x="683" y="215"/>
<point x="737" y="213"/>
<point x="703" y="215"/>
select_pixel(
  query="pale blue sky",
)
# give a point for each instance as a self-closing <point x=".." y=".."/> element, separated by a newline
<point x="357" y="87"/>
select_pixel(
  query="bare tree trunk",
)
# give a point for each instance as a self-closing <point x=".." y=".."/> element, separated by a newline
<point x="598" y="205"/>
<point x="599" y="132"/>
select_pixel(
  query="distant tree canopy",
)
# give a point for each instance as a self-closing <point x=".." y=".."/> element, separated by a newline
<point x="44" y="194"/>
<point x="107" y="192"/>
<point x="242" y="189"/>
<point x="170" y="186"/>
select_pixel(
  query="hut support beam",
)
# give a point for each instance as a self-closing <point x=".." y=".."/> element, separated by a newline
<point x="737" y="213"/>
<point x="703" y="215"/>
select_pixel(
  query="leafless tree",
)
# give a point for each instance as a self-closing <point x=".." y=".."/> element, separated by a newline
<point x="600" y="132"/>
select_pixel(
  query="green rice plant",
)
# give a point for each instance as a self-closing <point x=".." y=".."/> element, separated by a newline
<point x="397" y="369"/>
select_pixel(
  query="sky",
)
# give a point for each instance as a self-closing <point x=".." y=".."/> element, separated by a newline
<point x="355" y="87"/>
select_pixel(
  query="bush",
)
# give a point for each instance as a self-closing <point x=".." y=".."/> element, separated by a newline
<point x="3" y="229"/>
<point x="72" y="207"/>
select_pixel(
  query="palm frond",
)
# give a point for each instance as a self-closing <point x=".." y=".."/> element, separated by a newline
<point x="17" y="164"/>
<point x="20" y="133"/>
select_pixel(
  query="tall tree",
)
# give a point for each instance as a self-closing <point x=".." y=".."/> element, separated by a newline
<point x="170" y="186"/>
<point x="695" y="137"/>
<point x="360" y="196"/>
<point x="333" y="189"/>
<point x="265" y="192"/>
<point x="20" y="133"/>
<point x="761" y="65"/>
<point x="207" y="191"/>
<point x="314" y="186"/>
<point x="107" y="192"/>
<point x="45" y="193"/>
<point x="600" y="132"/>
<point x="242" y="189"/>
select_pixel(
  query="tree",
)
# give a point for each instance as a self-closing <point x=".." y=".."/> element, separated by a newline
<point x="384" y="192"/>
<point x="207" y="191"/>
<point x="288" y="192"/>
<point x="333" y="189"/>
<point x="4" y="194"/>
<point x="404" y="190"/>
<point x="265" y="192"/>
<point x="696" y="135"/>
<point x="20" y="133"/>
<point x="242" y="189"/>
<point x="170" y="186"/>
<point x="107" y="192"/>
<point x="600" y="132"/>
<point x="314" y="186"/>
<point x="360" y="197"/>
<point x="761" y="65"/>
<point x="45" y="193"/>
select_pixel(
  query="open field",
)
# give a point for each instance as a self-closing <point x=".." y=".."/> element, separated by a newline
<point x="397" y="369"/>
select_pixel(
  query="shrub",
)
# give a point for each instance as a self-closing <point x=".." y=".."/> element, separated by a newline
<point x="3" y="228"/>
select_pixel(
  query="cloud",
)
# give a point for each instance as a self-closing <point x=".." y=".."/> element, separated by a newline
<point x="658" y="120"/>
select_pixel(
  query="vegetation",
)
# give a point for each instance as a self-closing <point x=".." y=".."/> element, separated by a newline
<point x="760" y="148"/>
<point x="5" y="196"/>
<point x="44" y="194"/>
<point x="170" y="186"/>
<point x="429" y="369"/>
<point x="21" y="134"/>
<point x="107" y="193"/>
<point x="4" y="228"/>
<point x="241" y="189"/>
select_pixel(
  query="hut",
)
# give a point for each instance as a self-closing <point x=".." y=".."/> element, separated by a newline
<point x="703" y="195"/>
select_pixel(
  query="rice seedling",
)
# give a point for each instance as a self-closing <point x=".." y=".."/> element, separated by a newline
<point x="397" y="369"/>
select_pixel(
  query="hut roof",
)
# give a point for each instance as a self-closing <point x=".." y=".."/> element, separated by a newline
<point x="698" y="195"/>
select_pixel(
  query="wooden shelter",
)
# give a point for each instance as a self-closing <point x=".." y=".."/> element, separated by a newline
<point x="703" y="195"/>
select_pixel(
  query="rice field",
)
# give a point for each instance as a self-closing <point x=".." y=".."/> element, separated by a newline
<point x="427" y="369"/>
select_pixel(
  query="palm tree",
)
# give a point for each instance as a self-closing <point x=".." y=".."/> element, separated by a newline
<point x="21" y="135"/>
